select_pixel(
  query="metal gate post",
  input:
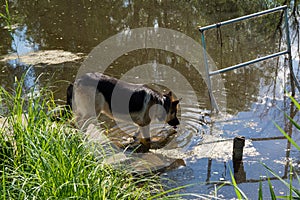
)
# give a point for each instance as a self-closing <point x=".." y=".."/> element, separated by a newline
<point x="294" y="80"/>
<point x="212" y="99"/>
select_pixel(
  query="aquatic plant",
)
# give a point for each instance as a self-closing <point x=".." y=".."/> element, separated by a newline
<point x="41" y="159"/>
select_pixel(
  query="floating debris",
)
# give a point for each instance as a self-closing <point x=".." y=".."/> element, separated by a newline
<point x="49" y="57"/>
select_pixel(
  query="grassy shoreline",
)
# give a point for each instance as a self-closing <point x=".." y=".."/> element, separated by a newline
<point x="41" y="159"/>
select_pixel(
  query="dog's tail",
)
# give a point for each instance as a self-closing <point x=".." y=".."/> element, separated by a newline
<point x="65" y="112"/>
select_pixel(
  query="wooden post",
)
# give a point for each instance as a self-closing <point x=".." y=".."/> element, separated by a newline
<point x="237" y="158"/>
<point x="238" y="147"/>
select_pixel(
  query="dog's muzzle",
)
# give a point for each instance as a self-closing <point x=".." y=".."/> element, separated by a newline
<point x="174" y="122"/>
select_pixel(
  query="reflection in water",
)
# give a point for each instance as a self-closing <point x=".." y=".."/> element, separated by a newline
<point x="253" y="93"/>
<point x="22" y="43"/>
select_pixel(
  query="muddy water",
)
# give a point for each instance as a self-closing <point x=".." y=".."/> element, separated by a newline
<point x="253" y="96"/>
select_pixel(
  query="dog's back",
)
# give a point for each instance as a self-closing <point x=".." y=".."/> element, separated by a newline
<point x="95" y="93"/>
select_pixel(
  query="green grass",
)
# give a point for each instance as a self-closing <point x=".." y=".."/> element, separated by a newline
<point x="8" y="22"/>
<point x="6" y="16"/>
<point x="41" y="159"/>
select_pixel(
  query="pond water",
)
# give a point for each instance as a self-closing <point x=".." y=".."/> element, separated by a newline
<point x="251" y="98"/>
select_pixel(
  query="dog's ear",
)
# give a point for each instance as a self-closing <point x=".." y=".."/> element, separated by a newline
<point x="175" y="102"/>
<point x="169" y="94"/>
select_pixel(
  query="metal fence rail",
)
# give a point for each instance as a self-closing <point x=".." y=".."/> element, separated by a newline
<point x="217" y="25"/>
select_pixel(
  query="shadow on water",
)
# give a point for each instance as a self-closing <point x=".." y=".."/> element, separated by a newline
<point x="204" y="140"/>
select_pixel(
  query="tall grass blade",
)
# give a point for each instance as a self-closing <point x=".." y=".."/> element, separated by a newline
<point x="3" y="16"/>
<point x="293" y="121"/>
<point x="272" y="193"/>
<point x="287" y="136"/>
<point x="295" y="102"/>
<point x="7" y="17"/>
<point x="260" y="192"/>
<point x="239" y="193"/>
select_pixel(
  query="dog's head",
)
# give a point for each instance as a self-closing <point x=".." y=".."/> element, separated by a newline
<point x="171" y="107"/>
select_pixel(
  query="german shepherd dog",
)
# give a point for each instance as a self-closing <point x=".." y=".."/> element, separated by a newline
<point x="96" y="93"/>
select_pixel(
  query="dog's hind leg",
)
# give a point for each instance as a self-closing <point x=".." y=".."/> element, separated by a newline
<point x="84" y="105"/>
<point x="69" y="96"/>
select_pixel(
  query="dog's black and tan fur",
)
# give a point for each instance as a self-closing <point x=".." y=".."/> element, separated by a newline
<point x="92" y="94"/>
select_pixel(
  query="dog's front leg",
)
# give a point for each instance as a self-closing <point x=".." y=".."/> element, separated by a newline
<point x="143" y="135"/>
